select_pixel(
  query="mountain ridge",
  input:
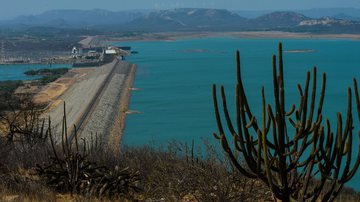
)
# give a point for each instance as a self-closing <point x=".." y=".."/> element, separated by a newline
<point x="186" y="19"/>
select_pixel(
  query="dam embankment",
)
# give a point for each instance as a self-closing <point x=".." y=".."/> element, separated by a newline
<point x="96" y="104"/>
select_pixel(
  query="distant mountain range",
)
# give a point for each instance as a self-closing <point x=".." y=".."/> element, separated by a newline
<point x="192" y="19"/>
<point x="76" y="18"/>
<point x="196" y="19"/>
<point x="348" y="13"/>
<point x="188" y="19"/>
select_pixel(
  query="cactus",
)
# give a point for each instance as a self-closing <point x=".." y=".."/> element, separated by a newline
<point x="71" y="170"/>
<point x="313" y="163"/>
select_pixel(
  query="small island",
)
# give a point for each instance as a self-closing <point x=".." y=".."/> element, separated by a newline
<point x="48" y="75"/>
<point x="300" y="51"/>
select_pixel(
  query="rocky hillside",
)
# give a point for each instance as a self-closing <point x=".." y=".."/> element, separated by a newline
<point x="327" y="21"/>
<point x="328" y="25"/>
<point x="279" y="19"/>
<point x="76" y="18"/>
<point x="188" y="19"/>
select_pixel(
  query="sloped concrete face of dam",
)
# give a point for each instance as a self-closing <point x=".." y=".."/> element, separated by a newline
<point x="96" y="104"/>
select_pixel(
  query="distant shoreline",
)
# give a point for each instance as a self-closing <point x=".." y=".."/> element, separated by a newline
<point x="173" y="36"/>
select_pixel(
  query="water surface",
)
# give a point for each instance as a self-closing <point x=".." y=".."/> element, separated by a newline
<point x="175" y="80"/>
<point x="16" y="71"/>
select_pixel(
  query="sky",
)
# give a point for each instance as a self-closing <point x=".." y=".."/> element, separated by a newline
<point x="12" y="8"/>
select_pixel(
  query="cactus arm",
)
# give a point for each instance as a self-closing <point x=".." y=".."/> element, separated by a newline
<point x="217" y="114"/>
<point x="240" y="127"/>
<point x="271" y="116"/>
<point x="226" y="112"/>
<point x="291" y="111"/>
<point x="265" y="146"/>
<point x="262" y="135"/>
<point x="356" y="164"/>
<point x="357" y="98"/>
<point x="313" y="96"/>
<point x="310" y="163"/>
<point x="351" y="173"/>
<point x="348" y="122"/>
<point x="338" y="150"/>
<point x="249" y="158"/>
<point x="233" y="159"/>
<point x="242" y="91"/>
<point x="348" y="153"/>
<point x="281" y="80"/>
<point x="322" y="95"/>
<point x="223" y="138"/>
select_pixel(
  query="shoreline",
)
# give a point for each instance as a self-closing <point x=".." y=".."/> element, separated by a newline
<point x="173" y="36"/>
<point x="118" y="128"/>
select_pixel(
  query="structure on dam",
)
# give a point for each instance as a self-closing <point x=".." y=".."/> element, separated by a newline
<point x="97" y="56"/>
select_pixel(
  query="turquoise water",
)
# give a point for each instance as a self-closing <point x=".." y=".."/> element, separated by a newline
<point x="16" y="72"/>
<point x="175" y="79"/>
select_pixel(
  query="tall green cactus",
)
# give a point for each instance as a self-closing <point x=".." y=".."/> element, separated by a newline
<point x="303" y="165"/>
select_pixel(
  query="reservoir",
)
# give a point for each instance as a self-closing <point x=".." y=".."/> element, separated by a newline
<point x="175" y="78"/>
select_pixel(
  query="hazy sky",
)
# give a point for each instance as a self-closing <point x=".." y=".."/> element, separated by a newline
<point x="13" y="8"/>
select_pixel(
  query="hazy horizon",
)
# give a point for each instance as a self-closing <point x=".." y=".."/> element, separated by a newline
<point x="10" y="10"/>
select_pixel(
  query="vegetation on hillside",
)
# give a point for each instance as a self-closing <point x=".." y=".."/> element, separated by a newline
<point x="10" y="101"/>
<point x="7" y="89"/>
<point x="9" y="86"/>
<point x="41" y="171"/>
<point x="48" y="75"/>
<point x="45" y="72"/>
<point x="85" y="170"/>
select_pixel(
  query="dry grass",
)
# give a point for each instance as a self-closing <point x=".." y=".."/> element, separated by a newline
<point x="172" y="174"/>
<point x="167" y="174"/>
<point x="177" y="172"/>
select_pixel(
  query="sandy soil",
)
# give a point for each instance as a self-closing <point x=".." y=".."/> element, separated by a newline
<point x="50" y="94"/>
<point x="28" y="89"/>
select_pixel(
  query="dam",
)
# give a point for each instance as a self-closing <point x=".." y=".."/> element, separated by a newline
<point x="96" y="103"/>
